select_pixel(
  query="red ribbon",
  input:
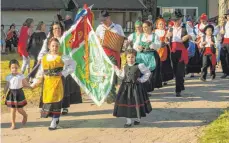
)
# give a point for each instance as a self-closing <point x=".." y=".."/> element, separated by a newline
<point x="177" y="46"/>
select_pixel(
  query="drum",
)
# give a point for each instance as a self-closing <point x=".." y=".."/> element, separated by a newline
<point x="113" y="41"/>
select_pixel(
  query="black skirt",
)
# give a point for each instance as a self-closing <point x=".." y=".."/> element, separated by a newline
<point x="166" y="68"/>
<point x="130" y="97"/>
<point x="15" y="98"/>
<point x="195" y="63"/>
<point x="156" y="79"/>
<point x="72" y="93"/>
<point x="50" y="109"/>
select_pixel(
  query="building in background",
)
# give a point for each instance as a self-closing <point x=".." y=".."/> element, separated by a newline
<point x="190" y="8"/>
<point x="123" y="12"/>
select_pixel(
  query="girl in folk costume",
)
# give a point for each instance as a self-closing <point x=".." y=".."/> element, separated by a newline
<point x="72" y="93"/>
<point x="131" y="40"/>
<point x="194" y="64"/>
<point x="179" y="37"/>
<point x="209" y="52"/>
<point x="224" y="53"/>
<point x="132" y="100"/>
<point x="164" y="52"/>
<point x="53" y="67"/>
<point x="146" y="48"/>
<point x="25" y="33"/>
<point x="15" y="98"/>
<point x="136" y="35"/>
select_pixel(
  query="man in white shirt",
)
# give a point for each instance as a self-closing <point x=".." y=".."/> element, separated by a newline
<point x="107" y="24"/>
<point x="179" y="38"/>
<point x="224" y="53"/>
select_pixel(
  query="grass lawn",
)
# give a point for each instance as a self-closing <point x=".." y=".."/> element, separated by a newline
<point x="217" y="131"/>
<point x="32" y="96"/>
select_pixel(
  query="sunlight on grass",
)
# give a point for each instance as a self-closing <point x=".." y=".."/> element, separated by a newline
<point x="217" y="131"/>
<point x="32" y="96"/>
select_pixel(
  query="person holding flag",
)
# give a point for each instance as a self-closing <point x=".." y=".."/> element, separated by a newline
<point x="107" y="24"/>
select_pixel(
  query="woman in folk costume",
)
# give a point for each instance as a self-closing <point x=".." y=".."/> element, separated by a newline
<point x="179" y="38"/>
<point x="209" y="52"/>
<point x="72" y="93"/>
<point x="132" y="100"/>
<point x="224" y="53"/>
<point x="164" y="51"/>
<point x="53" y="67"/>
<point x="146" y="48"/>
<point x="114" y="56"/>
<point x="25" y="33"/>
<point x="132" y="38"/>
<point x="194" y="64"/>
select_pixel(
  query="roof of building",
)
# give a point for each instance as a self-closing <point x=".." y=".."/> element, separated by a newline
<point x="113" y="4"/>
<point x="33" y="5"/>
<point x="63" y="4"/>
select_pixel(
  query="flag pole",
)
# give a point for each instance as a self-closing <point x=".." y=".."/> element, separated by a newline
<point x="86" y="46"/>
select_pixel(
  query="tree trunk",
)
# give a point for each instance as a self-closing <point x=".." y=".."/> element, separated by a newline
<point x="223" y="6"/>
<point x="151" y="9"/>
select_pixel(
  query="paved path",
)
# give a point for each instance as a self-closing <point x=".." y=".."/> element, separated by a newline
<point x="173" y="120"/>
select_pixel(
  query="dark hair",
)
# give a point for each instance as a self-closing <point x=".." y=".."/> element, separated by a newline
<point x="28" y="22"/>
<point x="53" y="39"/>
<point x="148" y="23"/>
<point x="39" y="25"/>
<point x="2" y="25"/>
<point x="51" y="29"/>
<point x="131" y="51"/>
<point x="12" y="25"/>
<point x="13" y="61"/>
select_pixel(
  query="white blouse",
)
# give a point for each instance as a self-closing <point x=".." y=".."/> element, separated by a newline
<point x="69" y="67"/>
<point x="154" y="45"/>
<point x="144" y="70"/>
<point x="208" y="40"/>
<point x="226" y="35"/>
<point x="15" y="81"/>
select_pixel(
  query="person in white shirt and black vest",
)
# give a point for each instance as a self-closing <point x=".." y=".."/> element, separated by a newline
<point x="179" y="38"/>
<point x="224" y="53"/>
<point x="208" y="52"/>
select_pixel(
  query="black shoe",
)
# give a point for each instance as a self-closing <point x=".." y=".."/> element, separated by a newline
<point x="165" y="83"/>
<point x="136" y="122"/>
<point x="212" y="77"/>
<point x="178" y="94"/>
<point x="224" y="76"/>
<point x="127" y="125"/>
<point x="65" y="111"/>
<point x="192" y="76"/>
<point x="57" y="122"/>
<point x="202" y="79"/>
<point x="51" y="128"/>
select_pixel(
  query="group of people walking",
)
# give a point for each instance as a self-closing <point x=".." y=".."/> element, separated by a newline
<point x="153" y="57"/>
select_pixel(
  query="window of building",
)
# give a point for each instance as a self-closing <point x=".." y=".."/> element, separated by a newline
<point x="188" y="12"/>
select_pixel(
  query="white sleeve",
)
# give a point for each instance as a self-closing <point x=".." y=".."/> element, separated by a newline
<point x="44" y="50"/>
<point x="69" y="65"/>
<point x="190" y="32"/>
<point x="146" y="73"/>
<point x="120" y="73"/>
<point x="156" y="44"/>
<point x="120" y="31"/>
<point x="8" y="77"/>
<point x="131" y="37"/>
<point x="216" y="31"/>
<point x="136" y="44"/>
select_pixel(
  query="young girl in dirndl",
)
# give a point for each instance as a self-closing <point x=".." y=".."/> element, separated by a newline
<point x="53" y="68"/>
<point x="15" y="98"/>
<point x="132" y="100"/>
